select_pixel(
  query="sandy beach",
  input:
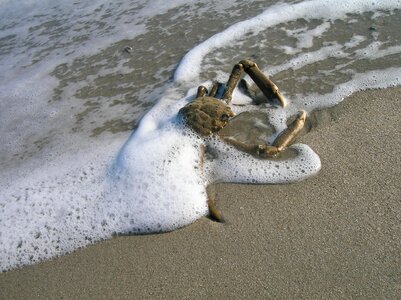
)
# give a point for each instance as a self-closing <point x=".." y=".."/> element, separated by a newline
<point x="335" y="235"/>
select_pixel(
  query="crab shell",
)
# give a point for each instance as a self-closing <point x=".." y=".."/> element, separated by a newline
<point x="206" y="115"/>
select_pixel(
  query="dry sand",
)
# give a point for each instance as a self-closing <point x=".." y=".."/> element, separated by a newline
<point x="335" y="235"/>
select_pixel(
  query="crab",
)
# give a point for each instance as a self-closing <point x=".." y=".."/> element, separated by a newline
<point x="207" y="115"/>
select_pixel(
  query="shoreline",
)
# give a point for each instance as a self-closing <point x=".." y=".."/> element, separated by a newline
<point x="337" y="234"/>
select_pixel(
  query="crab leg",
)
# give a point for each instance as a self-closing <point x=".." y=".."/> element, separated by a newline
<point x="258" y="150"/>
<point x="269" y="89"/>
<point x="232" y="82"/>
<point x="202" y="91"/>
<point x="214" y="89"/>
<point x="281" y="142"/>
<point x="246" y="88"/>
<point x="290" y="133"/>
<point x="214" y="212"/>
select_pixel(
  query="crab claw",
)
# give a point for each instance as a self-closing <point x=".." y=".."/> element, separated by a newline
<point x="268" y="87"/>
<point x="292" y="131"/>
<point x="202" y="91"/>
<point x="214" y="213"/>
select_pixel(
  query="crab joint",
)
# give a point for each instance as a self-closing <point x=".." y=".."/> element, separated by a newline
<point x="269" y="89"/>
<point x="202" y="91"/>
<point x="266" y="151"/>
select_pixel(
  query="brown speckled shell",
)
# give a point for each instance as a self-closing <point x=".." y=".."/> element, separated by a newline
<point x="206" y="115"/>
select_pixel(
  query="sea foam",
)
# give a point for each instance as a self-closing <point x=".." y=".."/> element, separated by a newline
<point x="278" y="14"/>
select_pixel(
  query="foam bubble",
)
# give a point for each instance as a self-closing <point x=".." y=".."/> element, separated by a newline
<point x="230" y="165"/>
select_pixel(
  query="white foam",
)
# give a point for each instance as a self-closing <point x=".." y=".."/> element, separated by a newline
<point x="45" y="214"/>
<point x="159" y="182"/>
<point x="355" y="41"/>
<point x="305" y="37"/>
<point x="190" y="65"/>
<point x="36" y="37"/>
<point x="230" y="165"/>
<point x="303" y="59"/>
<point x="377" y="79"/>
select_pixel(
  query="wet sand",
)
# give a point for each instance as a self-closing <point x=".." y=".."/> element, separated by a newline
<point x="335" y="235"/>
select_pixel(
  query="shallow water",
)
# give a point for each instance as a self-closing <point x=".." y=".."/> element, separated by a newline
<point x="70" y="95"/>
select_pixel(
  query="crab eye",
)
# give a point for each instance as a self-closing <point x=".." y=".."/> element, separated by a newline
<point x="224" y="117"/>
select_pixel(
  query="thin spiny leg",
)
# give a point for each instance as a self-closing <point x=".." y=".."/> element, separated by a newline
<point x="291" y="132"/>
<point x="263" y="151"/>
<point x="281" y="142"/>
<point x="269" y="89"/>
<point x="202" y="91"/>
<point x="232" y="82"/>
<point x="244" y="87"/>
<point x="214" y="212"/>
<point x="214" y="89"/>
